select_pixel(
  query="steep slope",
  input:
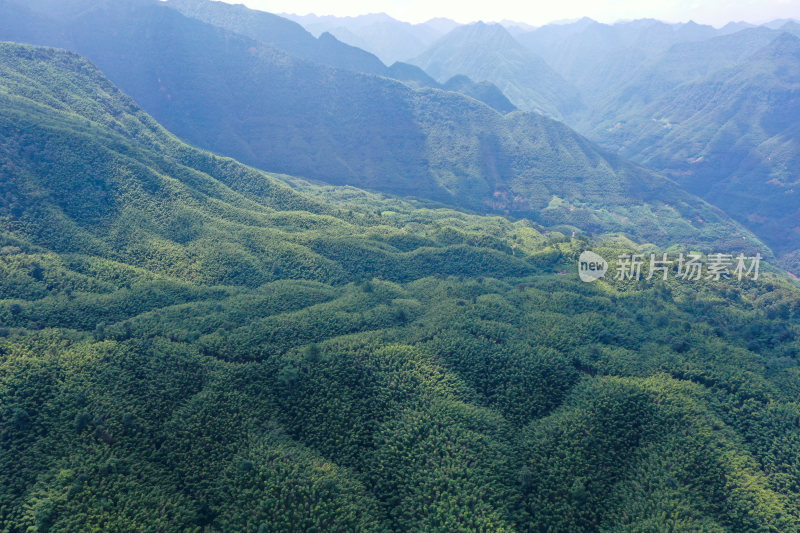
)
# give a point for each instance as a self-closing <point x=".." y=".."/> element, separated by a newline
<point x="485" y="92"/>
<point x="271" y="29"/>
<point x="412" y="75"/>
<point x="488" y="52"/>
<point x="281" y="33"/>
<point x="241" y="98"/>
<point x="182" y="348"/>
<point x="731" y="137"/>
<point x="327" y="50"/>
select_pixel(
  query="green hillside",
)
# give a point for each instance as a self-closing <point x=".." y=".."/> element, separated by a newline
<point x="731" y="137"/>
<point x="241" y="98"/>
<point x="187" y="343"/>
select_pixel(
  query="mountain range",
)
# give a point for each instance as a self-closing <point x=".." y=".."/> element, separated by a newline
<point x="729" y="136"/>
<point x="256" y="280"/>
<point x="388" y="38"/>
<point x="289" y="37"/>
<point x="672" y="97"/>
<point x="188" y="343"/>
<point x="595" y="57"/>
<point x="284" y="114"/>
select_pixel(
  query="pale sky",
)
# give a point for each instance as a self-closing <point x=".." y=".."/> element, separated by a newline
<point x="537" y="12"/>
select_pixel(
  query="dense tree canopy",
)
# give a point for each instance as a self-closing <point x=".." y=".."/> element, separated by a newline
<point x="190" y="344"/>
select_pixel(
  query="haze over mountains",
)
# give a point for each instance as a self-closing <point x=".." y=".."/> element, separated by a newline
<point x="388" y="38"/>
<point x="189" y="343"/>
<point x="488" y="52"/>
<point x="648" y="91"/>
<point x="326" y="49"/>
<point x="379" y="324"/>
<point x="645" y="69"/>
<point x="730" y="136"/>
<point x="277" y="112"/>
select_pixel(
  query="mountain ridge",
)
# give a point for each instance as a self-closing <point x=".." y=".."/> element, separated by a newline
<point x="432" y="144"/>
<point x="727" y="136"/>
<point x="326" y="49"/>
<point x="488" y="52"/>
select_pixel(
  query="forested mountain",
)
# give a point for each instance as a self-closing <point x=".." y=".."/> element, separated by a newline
<point x="260" y="26"/>
<point x="43" y="23"/>
<point x="488" y="52"/>
<point x="281" y="33"/>
<point x="707" y="107"/>
<point x="187" y="343"/>
<point x="265" y="28"/>
<point x="615" y="61"/>
<point x="730" y="135"/>
<point x="242" y="98"/>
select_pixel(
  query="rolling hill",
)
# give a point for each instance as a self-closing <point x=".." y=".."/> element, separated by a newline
<point x="187" y="343"/>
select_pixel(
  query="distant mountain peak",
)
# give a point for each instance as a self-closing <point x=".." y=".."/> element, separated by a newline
<point x="732" y="26"/>
<point x="441" y="24"/>
<point x="583" y="21"/>
<point x="791" y="27"/>
<point x="777" y="23"/>
<point x="487" y="51"/>
<point x="643" y="22"/>
<point x="437" y="20"/>
<point x="485" y="32"/>
<point x="521" y="26"/>
<point x="786" y="44"/>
